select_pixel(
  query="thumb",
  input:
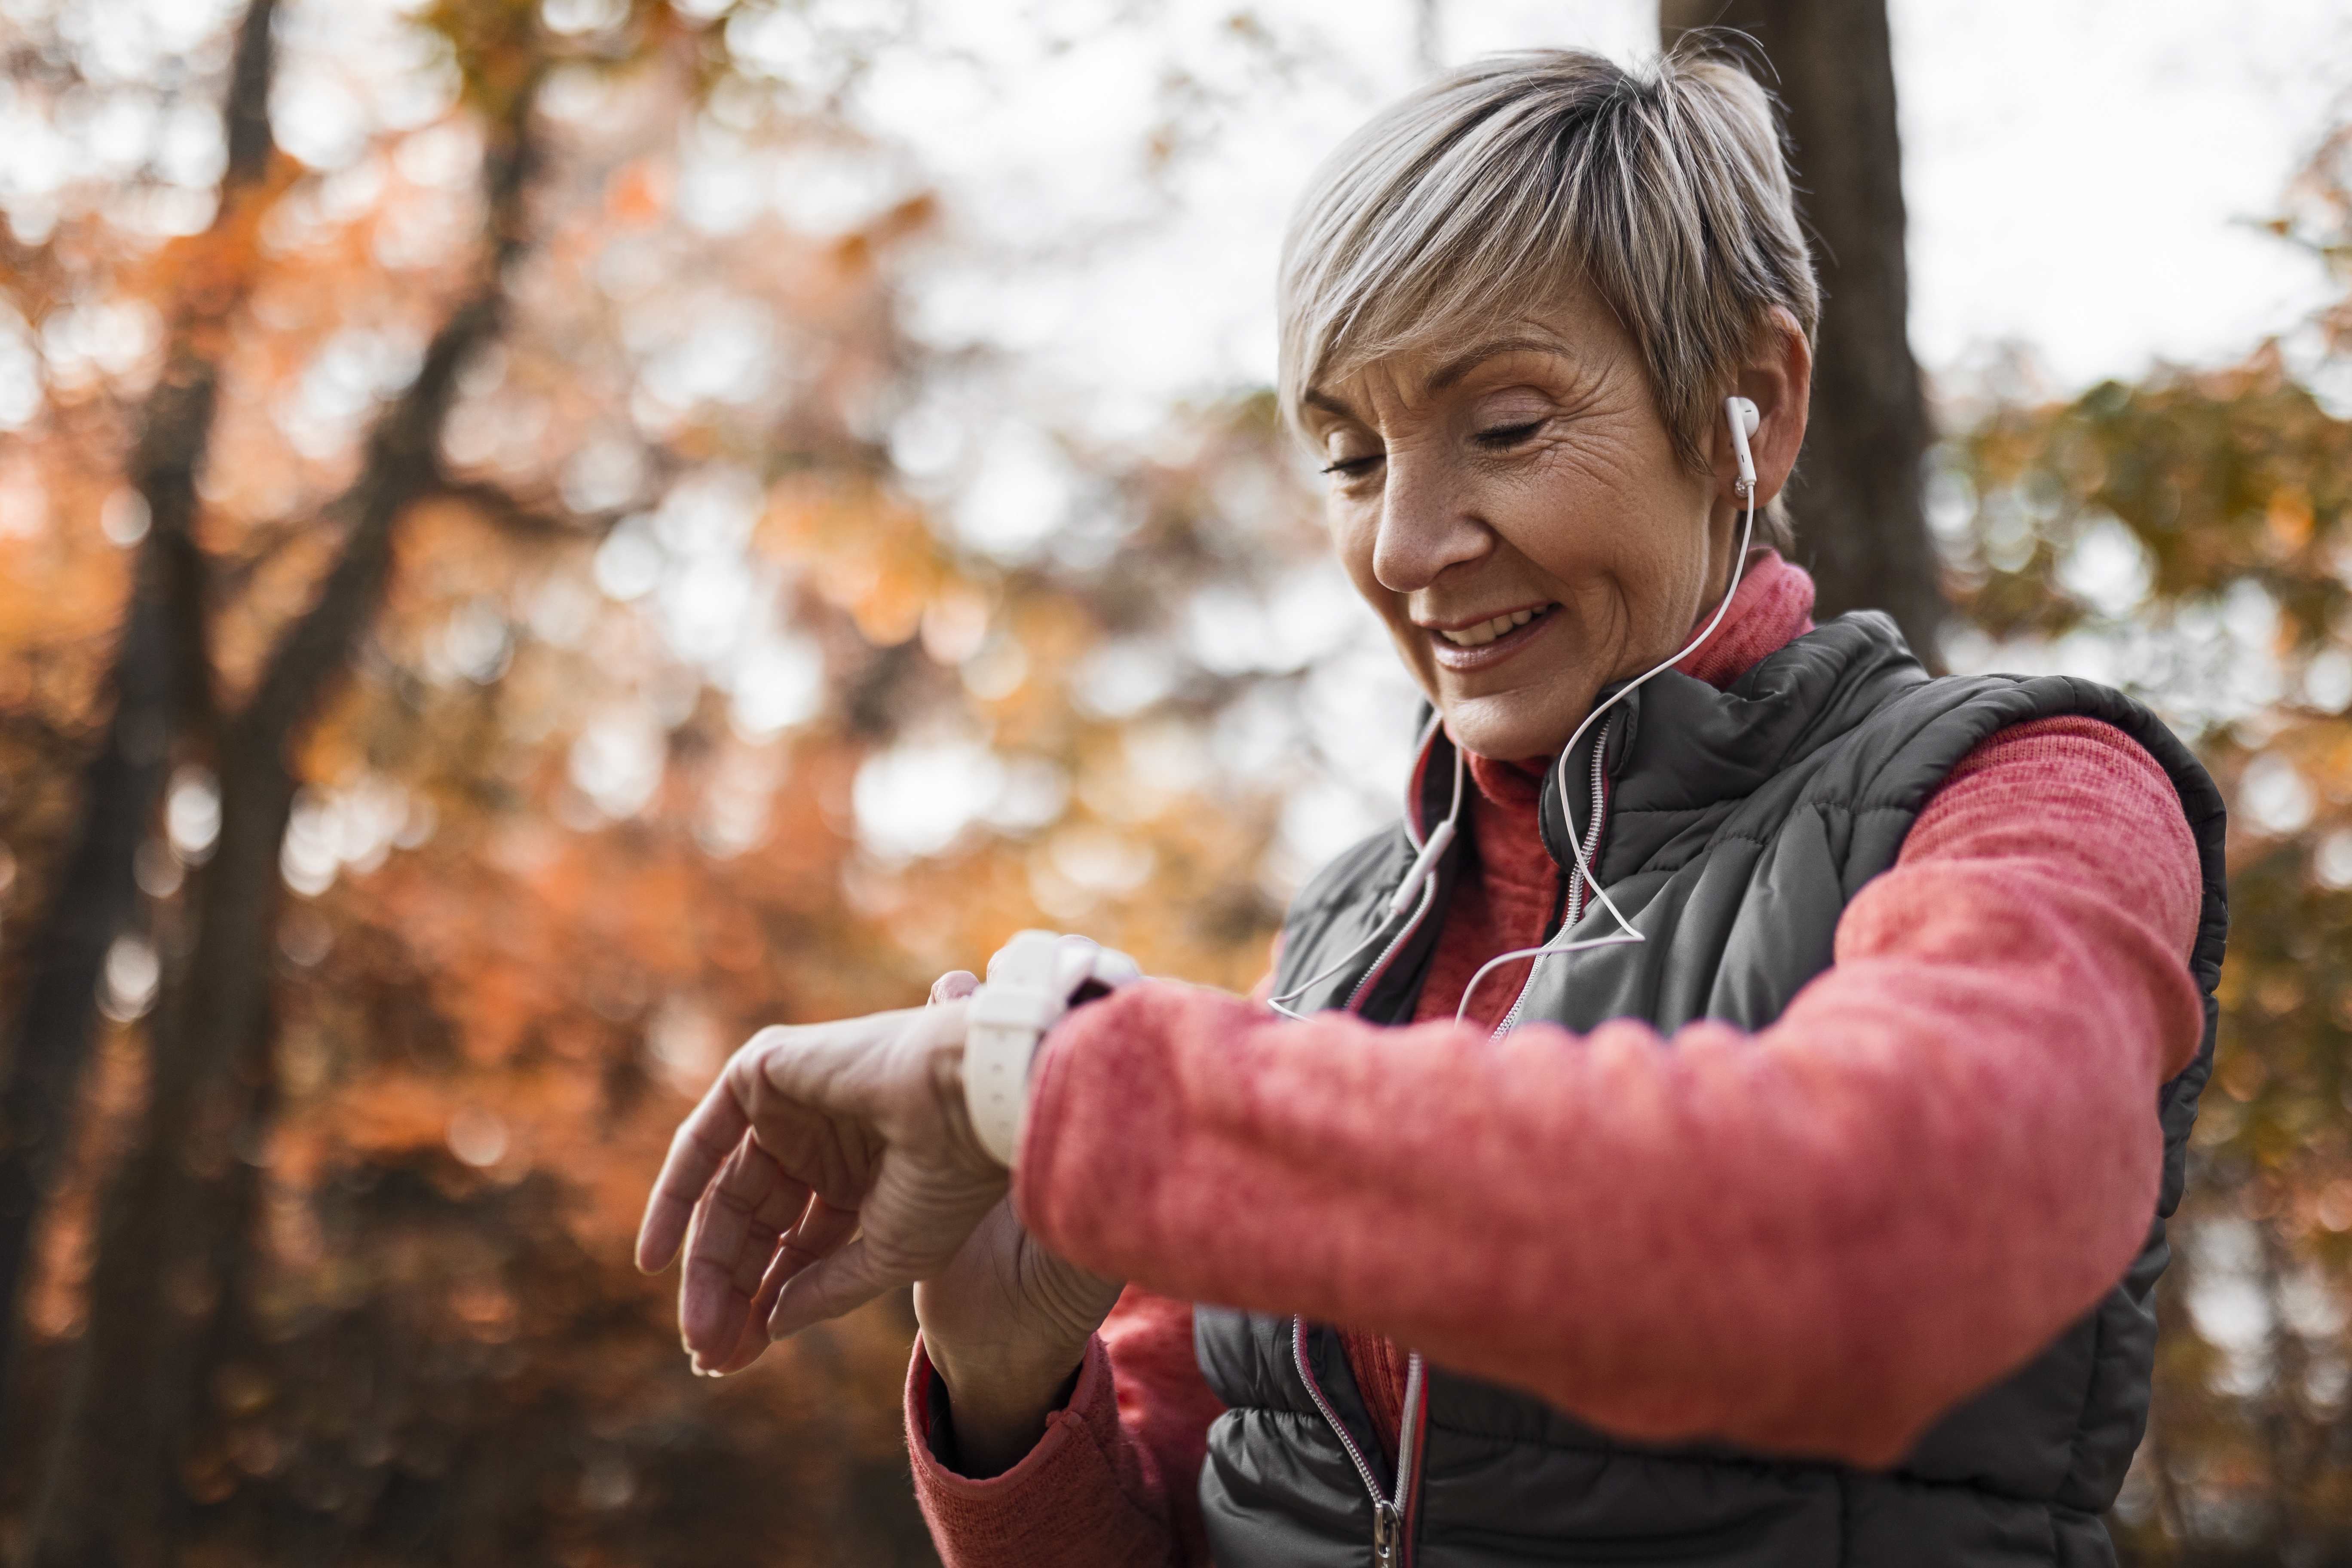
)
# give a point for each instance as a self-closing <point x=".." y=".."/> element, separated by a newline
<point x="829" y="1288"/>
<point x="954" y="986"/>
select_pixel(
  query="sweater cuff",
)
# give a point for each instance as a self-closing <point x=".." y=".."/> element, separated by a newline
<point x="1070" y="1501"/>
<point x="927" y="1429"/>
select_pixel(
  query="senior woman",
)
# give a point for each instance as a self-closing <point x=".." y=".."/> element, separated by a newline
<point x="1730" y="1119"/>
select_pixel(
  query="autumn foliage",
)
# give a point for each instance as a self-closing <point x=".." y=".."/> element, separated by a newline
<point x="570" y="804"/>
<point x="520" y="728"/>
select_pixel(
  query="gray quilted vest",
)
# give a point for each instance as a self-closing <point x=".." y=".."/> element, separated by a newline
<point x="1737" y="824"/>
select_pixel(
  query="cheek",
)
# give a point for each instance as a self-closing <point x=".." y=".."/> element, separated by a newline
<point x="1601" y="514"/>
<point x="1567" y="518"/>
<point x="1355" y="533"/>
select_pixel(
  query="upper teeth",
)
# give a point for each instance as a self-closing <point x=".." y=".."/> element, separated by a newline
<point x="1487" y="631"/>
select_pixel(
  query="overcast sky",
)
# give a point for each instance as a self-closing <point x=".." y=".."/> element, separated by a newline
<point x="2081" y="174"/>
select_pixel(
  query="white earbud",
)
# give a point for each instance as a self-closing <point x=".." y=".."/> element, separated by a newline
<point x="1744" y="420"/>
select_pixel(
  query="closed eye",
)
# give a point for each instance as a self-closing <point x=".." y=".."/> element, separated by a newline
<point x="1508" y="434"/>
<point x="1350" y="467"/>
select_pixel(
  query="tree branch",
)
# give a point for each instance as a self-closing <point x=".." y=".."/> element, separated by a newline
<point x="403" y="463"/>
<point x="162" y="671"/>
<point x="537" y="521"/>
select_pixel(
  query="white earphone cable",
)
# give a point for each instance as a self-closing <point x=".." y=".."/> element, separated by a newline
<point x="1625" y="932"/>
<point x="1418" y="877"/>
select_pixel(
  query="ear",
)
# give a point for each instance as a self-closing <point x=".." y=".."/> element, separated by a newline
<point x="1777" y="377"/>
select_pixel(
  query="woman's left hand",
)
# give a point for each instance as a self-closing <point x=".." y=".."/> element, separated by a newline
<point x="812" y="1136"/>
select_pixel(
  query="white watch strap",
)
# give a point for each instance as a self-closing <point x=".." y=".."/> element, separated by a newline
<point x="1030" y="981"/>
<point x="1008" y="1015"/>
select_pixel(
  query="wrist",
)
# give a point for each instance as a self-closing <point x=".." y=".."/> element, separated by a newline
<point x="998" y="1378"/>
<point x="997" y="1412"/>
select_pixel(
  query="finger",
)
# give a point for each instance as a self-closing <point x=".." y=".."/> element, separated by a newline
<point x="752" y="1335"/>
<point x="702" y="1143"/>
<point x="821" y="1231"/>
<point x="831" y="1287"/>
<point x="737" y="1225"/>
<point x="953" y="986"/>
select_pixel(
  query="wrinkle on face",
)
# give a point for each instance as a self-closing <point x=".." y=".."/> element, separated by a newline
<point x="1533" y="467"/>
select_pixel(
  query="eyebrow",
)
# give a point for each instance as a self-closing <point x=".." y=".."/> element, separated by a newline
<point x="1449" y="372"/>
<point x="1455" y="368"/>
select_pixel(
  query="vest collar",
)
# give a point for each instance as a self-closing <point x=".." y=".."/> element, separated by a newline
<point x="1771" y="607"/>
<point x="1679" y="744"/>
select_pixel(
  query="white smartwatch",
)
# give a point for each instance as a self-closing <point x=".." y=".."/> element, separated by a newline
<point x="1032" y="982"/>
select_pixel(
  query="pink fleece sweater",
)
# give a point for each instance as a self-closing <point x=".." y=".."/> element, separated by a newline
<point x="1813" y="1239"/>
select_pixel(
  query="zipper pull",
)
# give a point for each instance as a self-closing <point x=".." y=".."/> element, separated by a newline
<point x="1387" y="1534"/>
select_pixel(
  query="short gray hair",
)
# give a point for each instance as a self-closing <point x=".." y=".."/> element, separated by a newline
<point x="1665" y="189"/>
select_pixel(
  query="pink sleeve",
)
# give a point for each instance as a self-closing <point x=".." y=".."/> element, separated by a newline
<point x="1115" y="1480"/>
<point x="1813" y="1239"/>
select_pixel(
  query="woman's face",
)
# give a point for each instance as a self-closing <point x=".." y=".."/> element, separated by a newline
<point x="1513" y="508"/>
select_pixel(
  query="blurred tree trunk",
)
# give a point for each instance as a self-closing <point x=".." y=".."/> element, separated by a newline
<point x="160" y="680"/>
<point x="1861" y="527"/>
<point x="175" y="1227"/>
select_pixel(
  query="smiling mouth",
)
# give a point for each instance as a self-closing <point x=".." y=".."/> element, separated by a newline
<point x="1480" y="632"/>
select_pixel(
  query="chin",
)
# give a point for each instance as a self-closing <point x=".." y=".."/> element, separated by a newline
<point x="1506" y="738"/>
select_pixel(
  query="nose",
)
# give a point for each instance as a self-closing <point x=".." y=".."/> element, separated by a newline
<point x="1428" y="523"/>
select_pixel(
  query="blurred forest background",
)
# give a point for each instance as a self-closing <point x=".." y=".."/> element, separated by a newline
<point x="506" y="587"/>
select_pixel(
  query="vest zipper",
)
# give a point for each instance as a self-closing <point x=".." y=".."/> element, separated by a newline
<point x="1575" y="880"/>
<point x="1391" y="1515"/>
<point x="1380" y="965"/>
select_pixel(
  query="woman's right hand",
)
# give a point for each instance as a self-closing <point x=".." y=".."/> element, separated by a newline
<point x="1005" y="1326"/>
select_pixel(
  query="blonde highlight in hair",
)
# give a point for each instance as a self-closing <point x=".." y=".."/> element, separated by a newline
<point x="1482" y="194"/>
